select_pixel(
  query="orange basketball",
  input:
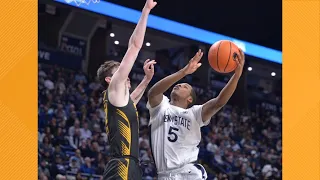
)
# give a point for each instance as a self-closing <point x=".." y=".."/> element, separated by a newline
<point x="222" y="56"/>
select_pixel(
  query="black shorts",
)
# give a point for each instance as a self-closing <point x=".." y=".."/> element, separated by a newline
<point x="122" y="169"/>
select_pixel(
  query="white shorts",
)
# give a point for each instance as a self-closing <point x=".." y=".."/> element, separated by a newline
<point x="187" y="172"/>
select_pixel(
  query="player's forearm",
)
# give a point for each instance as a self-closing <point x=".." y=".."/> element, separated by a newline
<point x="164" y="84"/>
<point x="134" y="46"/>
<point x="139" y="91"/>
<point x="138" y="34"/>
<point x="227" y="91"/>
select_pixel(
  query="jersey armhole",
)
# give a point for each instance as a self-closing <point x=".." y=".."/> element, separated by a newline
<point x="206" y="123"/>
<point x="198" y="114"/>
<point x="156" y="109"/>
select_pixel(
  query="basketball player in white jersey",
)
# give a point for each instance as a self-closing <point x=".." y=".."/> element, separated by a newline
<point x="175" y="124"/>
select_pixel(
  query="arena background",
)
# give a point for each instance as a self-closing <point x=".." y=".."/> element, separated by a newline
<point x="242" y="141"/>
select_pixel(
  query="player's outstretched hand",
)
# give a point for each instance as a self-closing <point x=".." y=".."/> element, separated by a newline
<point x="240" y="61"/>
<point x="148" y="68"/>
<point x="150" y="4"/>
<point x="193" y="64"/>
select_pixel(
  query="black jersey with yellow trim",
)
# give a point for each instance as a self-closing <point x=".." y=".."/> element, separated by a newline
<point x="122" y="126"/>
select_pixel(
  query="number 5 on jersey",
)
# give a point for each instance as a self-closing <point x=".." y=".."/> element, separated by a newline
<point x="172" y="136"/>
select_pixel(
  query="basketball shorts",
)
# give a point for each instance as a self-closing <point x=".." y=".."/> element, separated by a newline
<point x="187" y="172"/>
<point x="122" y="169"/>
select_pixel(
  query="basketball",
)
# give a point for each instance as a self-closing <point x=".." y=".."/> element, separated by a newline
<point x="222" y="56"/>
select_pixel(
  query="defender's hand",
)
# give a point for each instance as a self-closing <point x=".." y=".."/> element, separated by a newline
<point x="193" y="64"/>
<point x="148" y="68"/>
<point x="240" y="61"/>
<point x="150" y="4"/>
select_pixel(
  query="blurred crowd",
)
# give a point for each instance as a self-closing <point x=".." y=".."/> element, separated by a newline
<point x="237" y="144"/>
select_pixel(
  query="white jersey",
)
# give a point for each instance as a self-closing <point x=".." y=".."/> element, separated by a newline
<point x="175" y="134"/>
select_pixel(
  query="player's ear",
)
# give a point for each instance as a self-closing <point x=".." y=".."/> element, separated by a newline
<point x="107" y="79"/>
<point x="190" y="99"/>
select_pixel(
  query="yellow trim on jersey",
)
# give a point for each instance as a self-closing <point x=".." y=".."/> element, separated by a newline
<point x="125" y="132"/>
<point x="123" y="115"/>
<point x="136" y="112"/>
<point x="105" y="94"/>
<point x="123" y="170"/>
<point x="105" y="104"/>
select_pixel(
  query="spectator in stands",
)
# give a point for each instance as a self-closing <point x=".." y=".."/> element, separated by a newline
<point x="269" y="172"/>
<point x="78" y="158"/>
<point x="74" y="165"/>
<point x="47" y="133"/>
<point x="222" y="176"/>
<point x="217" y="157"/>
<point x="53" y="123"/>
<point x="72" y="117"/>
<point x="95" y="123"/>
<point x="94" y="150"/>
<point x="279" y="146"/>
<point x="101" y="167"/>
<point x="74" y="127"/>
<point x="248" y="143"/>
<point x="60" y="177"/>
<point x="84" y="148"/>
<point x="59" y="138"/>
<point x="211" y="146"/>
<point x="148" y="171"/>
<point x="85" y="132"/>
<point x="80" y="77"/>
<point x="61" y="87"/>
<point x="57" y="167"/>
<point x="58" y="151"/>
<point x="100" y="112"/>
<point x="143" y="119"/>
<point x="46" y="146"/>
<point x="42" y="176"/>
<point x="87" y="167"/>
<point x="102" y="142"/>
<point x="60" y="112"/>
<point x="235" y="146"/>
<point x="44" y="168"/>
<point x="243" y="173"/>
<point x="95" y="85"/>
<point x="49" y="84"/>
<point x="95" y="161"/>
<point x="75" y="140"/>
<point x="78" y="176"/>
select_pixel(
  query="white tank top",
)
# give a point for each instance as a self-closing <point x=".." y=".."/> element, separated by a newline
<point x="175" y="134"/>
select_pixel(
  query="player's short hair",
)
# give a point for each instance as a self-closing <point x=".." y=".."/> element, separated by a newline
<point x="105" y="70"/>
<point x="194" y="97"/>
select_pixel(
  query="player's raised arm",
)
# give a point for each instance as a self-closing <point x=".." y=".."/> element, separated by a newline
<point x="214" y="105"/>
<point x="148" y="68"/>
<point x="155" y="93"/>
<point x="117" y="86"/>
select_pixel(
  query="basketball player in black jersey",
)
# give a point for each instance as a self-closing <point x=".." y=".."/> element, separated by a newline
<point x="122" y="122"/>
